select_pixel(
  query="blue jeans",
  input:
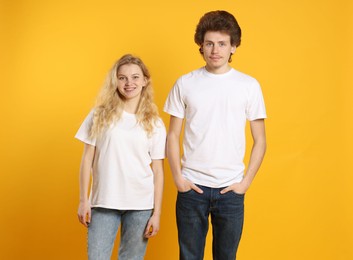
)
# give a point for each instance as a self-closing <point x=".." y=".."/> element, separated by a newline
<point x="104" y="226"/>
<point x="227" y="215"/>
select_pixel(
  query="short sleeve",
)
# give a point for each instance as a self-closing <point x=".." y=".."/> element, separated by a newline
<point x="157" y="149"/>
<point x="84" y="130"/>
<point x="256" y="106"/>
<point x="174" y="104"/>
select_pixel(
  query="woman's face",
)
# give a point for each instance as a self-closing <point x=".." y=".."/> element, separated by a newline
<point x="131" y="81"/>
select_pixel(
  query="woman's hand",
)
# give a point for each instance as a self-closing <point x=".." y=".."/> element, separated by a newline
<point x="152" y="226"/>
<point x="84" y="213"/>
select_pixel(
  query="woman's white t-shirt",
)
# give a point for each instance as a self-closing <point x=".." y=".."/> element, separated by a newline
<point x="122" y="177"/>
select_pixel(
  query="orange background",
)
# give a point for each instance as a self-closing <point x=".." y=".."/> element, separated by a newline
<point x="55" y="55"/>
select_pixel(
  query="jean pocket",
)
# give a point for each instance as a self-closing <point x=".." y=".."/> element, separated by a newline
<point x="238" y="194"/>
<point x="185" y="192"/>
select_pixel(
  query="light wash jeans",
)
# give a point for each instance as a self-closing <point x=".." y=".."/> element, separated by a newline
<point x="103" y="229"/>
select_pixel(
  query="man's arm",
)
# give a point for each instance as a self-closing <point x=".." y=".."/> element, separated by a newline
<point x="173" y="155"/>
<point x="257" y="154"/>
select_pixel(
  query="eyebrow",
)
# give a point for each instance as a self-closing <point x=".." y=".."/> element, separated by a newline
<point x="213" y="41"/>
<point x="138" y="74"/>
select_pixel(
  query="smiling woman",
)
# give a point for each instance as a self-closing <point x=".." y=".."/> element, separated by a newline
<point x="122" y="136"/>
<point x="131" y="81"/>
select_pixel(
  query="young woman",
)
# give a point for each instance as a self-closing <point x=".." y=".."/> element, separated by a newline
<point x="124" y="148"/>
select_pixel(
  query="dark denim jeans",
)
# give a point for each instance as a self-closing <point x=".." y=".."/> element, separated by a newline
<point x="227" y="215"/>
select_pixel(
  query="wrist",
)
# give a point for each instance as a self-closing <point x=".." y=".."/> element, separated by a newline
<point x="179" y="179"/>
<point x="245" y="183"/>
<point x="84" y="201"/>
<point x="156" y="213"/>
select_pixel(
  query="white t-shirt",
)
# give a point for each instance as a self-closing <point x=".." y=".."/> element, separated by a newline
<point x="215" y="108"/>
<point x="121" y="175"/>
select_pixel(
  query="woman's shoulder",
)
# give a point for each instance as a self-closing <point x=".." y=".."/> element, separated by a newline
<point x="159" y="126"/>
<point x="158" y="122"/>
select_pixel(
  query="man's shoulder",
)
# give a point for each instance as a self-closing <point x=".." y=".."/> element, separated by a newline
<point x="241" y="76"/>
<point x="192" y="74"/>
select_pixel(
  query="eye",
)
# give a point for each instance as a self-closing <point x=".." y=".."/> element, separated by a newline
<point x="135" y="77"/>
<point x="222" y="44"/>
<point x="121" y="78"/>
<point x="209" y="44"/>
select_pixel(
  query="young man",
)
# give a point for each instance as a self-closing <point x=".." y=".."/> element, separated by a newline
<point x="215" y="101"/>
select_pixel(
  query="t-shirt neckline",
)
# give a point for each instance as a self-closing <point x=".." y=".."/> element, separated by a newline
<point x="213" y="75"/>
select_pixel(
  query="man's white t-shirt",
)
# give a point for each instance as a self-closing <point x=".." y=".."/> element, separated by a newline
<point x="121" y="175"/>
<point x="215" y="108"/>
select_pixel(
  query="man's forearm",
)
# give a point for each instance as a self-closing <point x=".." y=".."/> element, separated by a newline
<point x="173" y="155"/>
<point x="256" y="158"/>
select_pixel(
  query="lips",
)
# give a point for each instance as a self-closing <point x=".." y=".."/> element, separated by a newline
<point x="215" y="58"/>
<point x="129" y="89"/>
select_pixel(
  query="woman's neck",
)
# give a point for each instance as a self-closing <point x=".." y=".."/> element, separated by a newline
<point x="131" y="106"/>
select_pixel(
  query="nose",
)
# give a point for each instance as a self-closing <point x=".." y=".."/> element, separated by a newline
<point x="215" y="48"/>
<point x="127" y="81"/>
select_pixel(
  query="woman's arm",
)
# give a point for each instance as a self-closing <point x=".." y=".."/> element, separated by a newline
<point x="153" y="223"/>
<point x="84" y="208"/>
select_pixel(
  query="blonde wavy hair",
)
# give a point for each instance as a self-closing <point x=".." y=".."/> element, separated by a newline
<point x="110" y="103"/>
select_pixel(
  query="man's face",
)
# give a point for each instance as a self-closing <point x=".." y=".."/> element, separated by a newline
<point x="216" y="51"/>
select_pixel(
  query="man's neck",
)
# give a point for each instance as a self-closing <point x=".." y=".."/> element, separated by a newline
<point x="220" y="70"/>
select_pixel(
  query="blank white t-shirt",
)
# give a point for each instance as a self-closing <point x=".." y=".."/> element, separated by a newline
<point x="121" y="175"/>
<point x="215" y="108"/>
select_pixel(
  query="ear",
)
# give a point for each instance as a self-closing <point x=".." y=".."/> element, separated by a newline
<point x="201" y="49"/>
<point x="146" y="82"/>
<point x="233" y="49"/>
